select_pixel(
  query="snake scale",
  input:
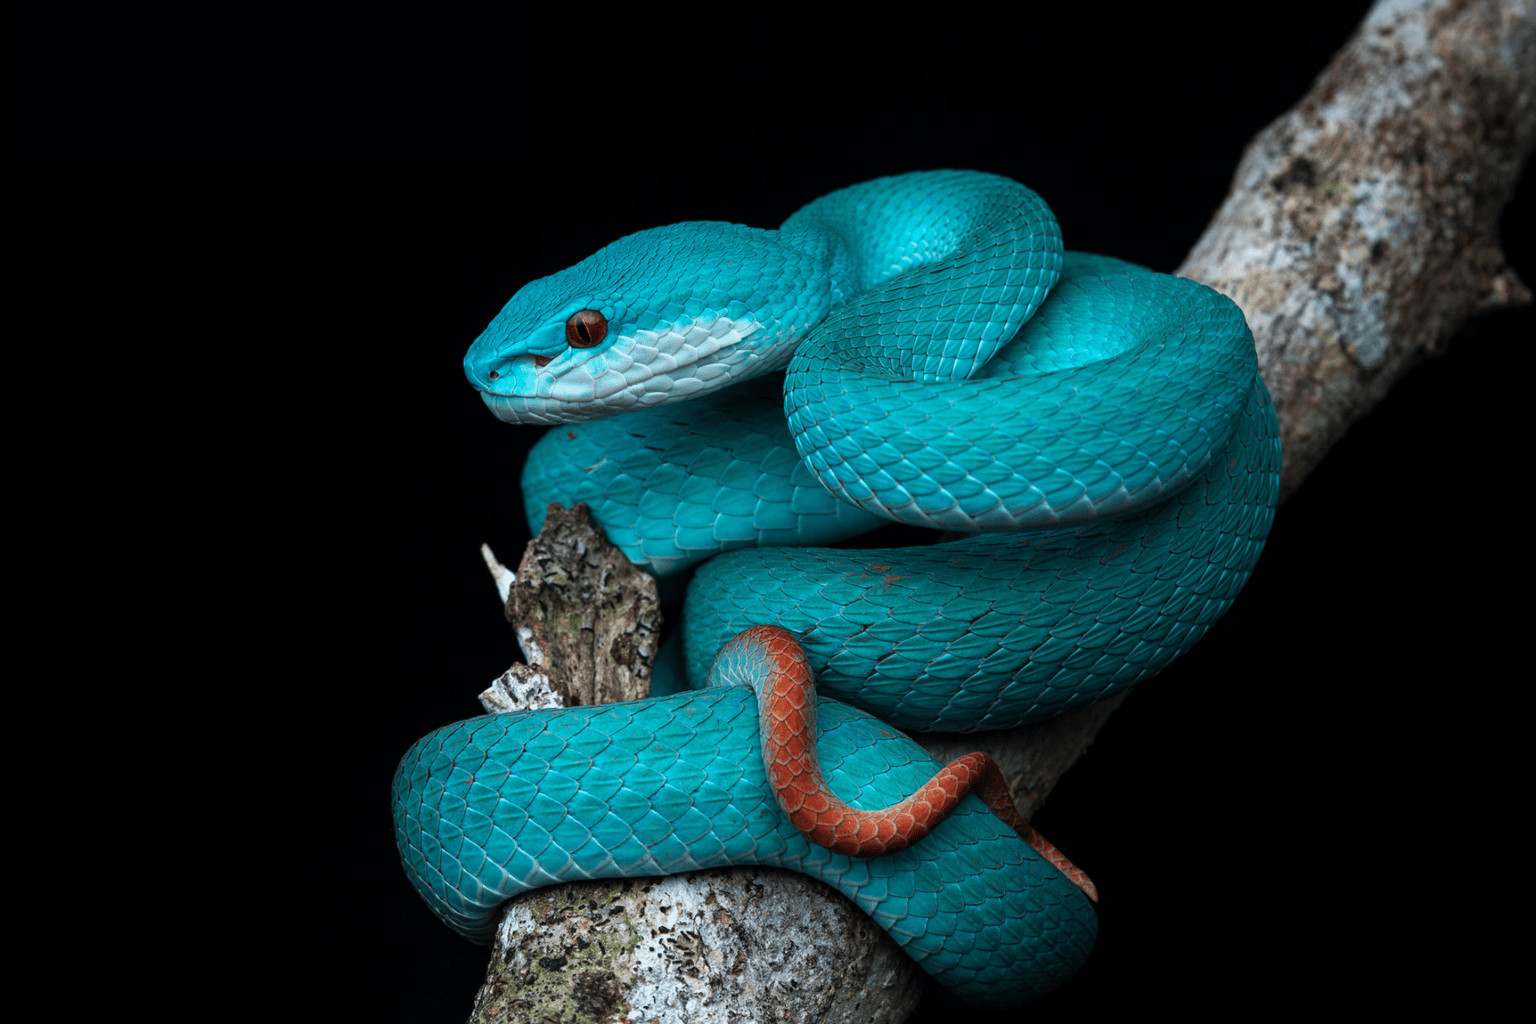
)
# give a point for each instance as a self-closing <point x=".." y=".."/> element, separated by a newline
<point x="917" y="349"/>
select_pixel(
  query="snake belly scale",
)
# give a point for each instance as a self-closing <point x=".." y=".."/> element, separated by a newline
<point x="917" y="349"/>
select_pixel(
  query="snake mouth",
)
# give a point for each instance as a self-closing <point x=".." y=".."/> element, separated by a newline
<point x="526" y="410"/>
<point x="653" y="368"/>
<point x="574" y="401"/>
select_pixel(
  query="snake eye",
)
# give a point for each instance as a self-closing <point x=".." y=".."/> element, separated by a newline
<point x="585" y="329"/>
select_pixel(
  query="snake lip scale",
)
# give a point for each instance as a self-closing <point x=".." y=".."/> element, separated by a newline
<point x="920" y="349"/>
<point x="571" y="407"/>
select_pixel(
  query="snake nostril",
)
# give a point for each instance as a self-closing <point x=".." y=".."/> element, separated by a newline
<point x="493" y="375"/>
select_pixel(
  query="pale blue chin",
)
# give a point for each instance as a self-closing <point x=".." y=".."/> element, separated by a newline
<point x="520" y="409"/>
<point x="538" y="411"/>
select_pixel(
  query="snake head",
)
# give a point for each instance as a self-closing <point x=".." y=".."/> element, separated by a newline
<point x="658" y="316"/>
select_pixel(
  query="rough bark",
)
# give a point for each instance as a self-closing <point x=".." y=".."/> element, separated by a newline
<point x="1360" y="232"/>
<point x="738" y="945"/>
<point x="586" y="618"/>
<point x="1362" y="227"/>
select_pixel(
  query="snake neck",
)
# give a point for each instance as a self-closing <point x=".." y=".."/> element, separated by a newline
<point x="933" y="272"/>
<point x="827" y="250"/>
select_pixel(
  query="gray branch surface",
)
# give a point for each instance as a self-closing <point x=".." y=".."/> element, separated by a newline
<point x="1360" y="232"/>
<point x="1362" y="227"/>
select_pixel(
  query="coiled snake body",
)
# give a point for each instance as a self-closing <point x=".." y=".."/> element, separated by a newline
<point x="1114" y="437"/>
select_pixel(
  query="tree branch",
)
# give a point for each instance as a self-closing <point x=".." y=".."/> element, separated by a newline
<point x="1362" y="227"/>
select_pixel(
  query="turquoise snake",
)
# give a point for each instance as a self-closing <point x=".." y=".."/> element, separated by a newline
<point x="1097" y="433"/>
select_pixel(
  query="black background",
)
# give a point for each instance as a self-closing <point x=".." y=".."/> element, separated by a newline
<point x="1309" y="806"/>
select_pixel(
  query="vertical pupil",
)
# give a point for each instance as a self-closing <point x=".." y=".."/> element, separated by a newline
<point x="581" y="329"/>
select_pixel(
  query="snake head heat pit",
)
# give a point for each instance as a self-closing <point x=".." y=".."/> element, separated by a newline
<point x="658" y="316"/>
